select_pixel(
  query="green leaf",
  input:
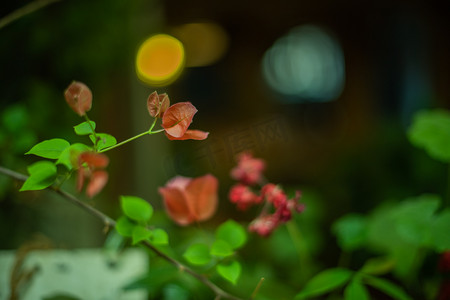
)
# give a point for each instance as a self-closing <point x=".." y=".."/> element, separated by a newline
<point x="378" y="266"/>
<point x="197" y="254"/>
<point x="351" y="231"/>
<point x="221" y="248"/>
<point x="325" y="282"/>
<point x="50" y="148"/>
<point x="159" y="237"/>
<point x="387" y="287"/>
<point x="440" y="231"/>
<point x="430" y="130"/>
<point x="124" y="226"/>
<point x="232" y="233"/>
<point x="140" y="233"/>
<point x="42" y="175"/>
<point x="69" y="156"/>
<point x="356" y="291"/>
<point x="136" y="208"/>
<point x="84" y="128"/>
<point x="104" y="140"/>
<point x="414" y="217"/>
<point x="230" y="272"/>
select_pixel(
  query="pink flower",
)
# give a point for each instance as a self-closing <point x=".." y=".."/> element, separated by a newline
<point x="176" y="121"/>
<point x="243" y="196"/>
<point x="189" y="200"/>
<point x="79" y="97"/>
<point x="264" y="225"/>
<point x="90" y="165"/>
<point x="274" y="194"/>
<point x="249" y="170"/>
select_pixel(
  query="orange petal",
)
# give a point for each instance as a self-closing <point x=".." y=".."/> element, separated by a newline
<point x="177" y="118"/>
<point x="190" y="135"/>
<point x="202" y="196"/>
<point x="176" y="205"/>
<point x="94" y="160"/>
<point x="97" y="183"/>
<point x="79" y="97"/>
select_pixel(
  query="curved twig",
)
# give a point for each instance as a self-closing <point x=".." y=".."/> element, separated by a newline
<point x="23" y="11"/>
<point x="109" y="222"/>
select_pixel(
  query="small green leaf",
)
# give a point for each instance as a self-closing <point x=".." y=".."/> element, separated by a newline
<point x="124" y="226"/>
<point x="351" y="231"/>
<point x="159" y="237"/>
<point x="440" y="231"/>
<point x="356" y="291"/>
<point x="140" y="233"/>
<point x="232" y="233"/>
<point x="387" y="287"/>
<point x="84" y="128"/>
<point x="42" y="175"/>
<point x="50" y="148"/>
<point x="104" y="140"/>
<point x="221" y="248"/>
<point x="136" y="208"/>
<point x="325" y="282"/>
<point x="431" y="130"/>
<point x="230" y="272"/>
<point x="69" y="156"/>
<point x="197" y="254"/>
<point x="378" y="266"/>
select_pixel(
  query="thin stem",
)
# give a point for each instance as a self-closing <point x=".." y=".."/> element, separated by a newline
<point x="124" y="142"/>
<point x="109" y="222"/>
<point x="92" y="128"/>
<point x="296" y="237"/>
<point x="24" y="10"/>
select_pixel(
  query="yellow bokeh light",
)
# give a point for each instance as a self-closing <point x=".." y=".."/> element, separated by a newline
<point x="160" y="60"/>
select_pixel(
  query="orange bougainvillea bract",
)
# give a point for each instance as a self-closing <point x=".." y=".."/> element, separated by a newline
<point x="189" y="200"/>
<point x="176" y="121"/>
<point x="79" y="97"/>
<point x="157" y="104"/>
<point x="90" y="165"/>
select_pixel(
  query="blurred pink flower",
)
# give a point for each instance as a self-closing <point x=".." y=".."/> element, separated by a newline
<point x="249" y="170"/>
<point x="243" y="196"/>
<point x="189" y="200"/>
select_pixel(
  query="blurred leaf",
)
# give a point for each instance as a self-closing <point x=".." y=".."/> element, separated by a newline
<point x="104" y="140"/>
<point x="325" y="282"/>
<point x="431" y="130"/>
<point x="378" y="266"/>
<point x="23" y="141"/>
<point x="124" y="226"/>
<point x="351" y="231"/>
<point x="15" y="118"/>
<point x="42" y="175"/>
<point x="355" y="290"/>
<point x="387" y="287"/>
<point x="414" y="216"/>
<point x="197" y="254"/>
<point x="61" y="297"/>
<point x="160" y="237"/>
<point x="232" y="233"/>
<point x="221" y="248"/>
<point x="69" y="157"/>
<point x="175" y="292"/>
<point x="441" y="231"/>
<point x="84" y="128"/>
<point x="230" y="271"/>
<point x="136" y="208"/>
<point x="140" y="233"/>
<point x="49" y="148"/>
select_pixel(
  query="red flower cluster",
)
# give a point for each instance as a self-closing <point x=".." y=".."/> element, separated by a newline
<point x="249" y="172"/>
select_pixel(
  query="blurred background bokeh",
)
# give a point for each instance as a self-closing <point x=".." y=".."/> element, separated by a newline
<point x="323" y="91"/>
